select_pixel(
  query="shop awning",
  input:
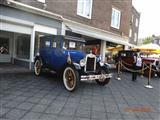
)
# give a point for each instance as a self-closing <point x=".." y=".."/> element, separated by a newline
<point x="96" y="33"/>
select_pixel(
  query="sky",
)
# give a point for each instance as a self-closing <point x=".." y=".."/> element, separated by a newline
<point x="150" y="17"/>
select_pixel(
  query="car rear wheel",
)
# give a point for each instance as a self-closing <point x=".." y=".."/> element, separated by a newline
<point x="70" y="78"/>
<point x="37" y="67"/>
<point x="103" y="81"/>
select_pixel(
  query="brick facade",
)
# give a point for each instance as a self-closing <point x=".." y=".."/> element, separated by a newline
<point x="101" y="12"/>
<point x="135" y="15"/>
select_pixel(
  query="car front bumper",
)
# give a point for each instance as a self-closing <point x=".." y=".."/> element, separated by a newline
<point x="94" y="77"/>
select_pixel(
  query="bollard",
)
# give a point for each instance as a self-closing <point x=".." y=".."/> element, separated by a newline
<point x="149" y="77"/>
<point x="118" y="75"/>
<point x="142" y="72"/>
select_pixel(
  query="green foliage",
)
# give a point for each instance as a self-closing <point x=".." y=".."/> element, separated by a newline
<point x="147" y="40"/>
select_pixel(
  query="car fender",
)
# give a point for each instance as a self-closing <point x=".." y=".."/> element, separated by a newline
<point x="105" y="66"/>
<point x="77" y="66"/>
<point x="38" y="57"/>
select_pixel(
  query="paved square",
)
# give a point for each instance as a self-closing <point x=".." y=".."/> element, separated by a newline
<point x="27" y="97"/>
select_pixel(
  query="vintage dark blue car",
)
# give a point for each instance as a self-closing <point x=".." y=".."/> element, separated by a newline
<point x="64" y="54"/>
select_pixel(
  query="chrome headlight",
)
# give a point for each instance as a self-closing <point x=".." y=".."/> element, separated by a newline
<point x="82" y="62"/>
<point x="101" y="63"/>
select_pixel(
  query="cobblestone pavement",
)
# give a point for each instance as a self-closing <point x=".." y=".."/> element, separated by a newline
<point x="27" y="97"/>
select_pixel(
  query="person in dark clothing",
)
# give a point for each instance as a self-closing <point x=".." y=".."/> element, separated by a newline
<point x="137" y="63"/>
<point x="134" y="67"/>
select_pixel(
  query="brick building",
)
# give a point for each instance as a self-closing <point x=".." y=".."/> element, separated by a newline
<point x="134" y="26"/>
<point x="101" y="23"/>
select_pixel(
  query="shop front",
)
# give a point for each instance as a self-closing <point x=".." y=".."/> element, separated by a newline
<point x="96" y="38"/>
<point x="19" y="35"/>
<point x="15" y="42"/>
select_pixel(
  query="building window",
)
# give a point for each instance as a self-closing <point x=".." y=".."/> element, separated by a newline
<point x="84" y="8"/>
<point x="23" y="46"/>
<point x="130" y="33"/>
<point x="4" y="45"/>
<point x="132" y="18"/>
<point x="42" y="1"/>
<point x="116" y="17"/>
<point x="136" y="22"/>
<point x="135" y="37"/>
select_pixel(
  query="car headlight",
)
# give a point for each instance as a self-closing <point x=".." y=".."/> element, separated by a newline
<point x="101" y="63"/>
<point x="82" y="62"/>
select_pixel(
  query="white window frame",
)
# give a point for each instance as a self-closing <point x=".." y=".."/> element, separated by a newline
<point x="84" y="8"/>
<point x="135" y="37"/>
<point x="130" y="32"/>
<point x="119" y="19"/>
<point x="136" y="23"/>
<point x="42" y="1"/>
<point x="132" y="18"/>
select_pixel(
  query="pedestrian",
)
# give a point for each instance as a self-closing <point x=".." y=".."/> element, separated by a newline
<point x="94" y="50"/>
<point x="137" y="64"/>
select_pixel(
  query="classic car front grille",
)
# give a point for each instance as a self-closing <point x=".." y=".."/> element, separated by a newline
<point x="90" y="64"/>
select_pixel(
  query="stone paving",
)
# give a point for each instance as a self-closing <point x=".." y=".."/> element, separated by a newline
<point x="27" y="97"/>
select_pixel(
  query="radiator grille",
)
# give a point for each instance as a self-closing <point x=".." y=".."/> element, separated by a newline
<point x="90" y="64"/>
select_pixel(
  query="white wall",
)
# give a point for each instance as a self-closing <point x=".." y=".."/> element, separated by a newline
<point x="103" y="49"/>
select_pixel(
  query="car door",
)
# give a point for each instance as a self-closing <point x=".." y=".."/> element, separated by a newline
<point x="58" y="54"/>
<point x="46" y="50"/>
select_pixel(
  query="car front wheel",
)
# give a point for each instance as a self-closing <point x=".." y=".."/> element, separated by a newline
<point x="70" y="78"/>
<point x="37" y="67"/>
<point x="103" y="81"/>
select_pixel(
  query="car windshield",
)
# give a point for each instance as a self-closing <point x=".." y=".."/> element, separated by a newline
<point x="126" y="53"/>
<point x="73" y="45"/>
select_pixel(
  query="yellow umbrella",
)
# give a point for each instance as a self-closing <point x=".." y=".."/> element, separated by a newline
<point x="110" y="48"/>
<point x="156" y="51"/>
<point x="149" y="48"/>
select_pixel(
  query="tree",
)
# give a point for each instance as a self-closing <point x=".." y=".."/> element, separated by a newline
<point x="147" y="40"/>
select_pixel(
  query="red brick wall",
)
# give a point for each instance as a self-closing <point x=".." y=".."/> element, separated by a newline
<point x="101" y="12"/>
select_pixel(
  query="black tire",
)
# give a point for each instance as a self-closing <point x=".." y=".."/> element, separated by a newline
<point x="103" y="82"/>
<point x="37" y="67"/>
<point x="70" y="78"/>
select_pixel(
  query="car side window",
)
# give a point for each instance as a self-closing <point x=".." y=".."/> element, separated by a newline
<point x="58" y="43"/>
<point x="65" y="44"/>
<point x="72" y="45"/>
<point x="54" y="44"/>
<point x="47" y="43"/>
<point x="44" y="43"/>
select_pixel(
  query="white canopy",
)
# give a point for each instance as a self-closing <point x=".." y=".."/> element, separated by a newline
<point x="150" y="46"/>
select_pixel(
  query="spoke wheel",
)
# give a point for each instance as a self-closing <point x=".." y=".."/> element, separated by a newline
<point x="102" y="78"/>
<point x="37" y="67"/>
<point x="70" y="78"/>
<point x="103" y="81"/>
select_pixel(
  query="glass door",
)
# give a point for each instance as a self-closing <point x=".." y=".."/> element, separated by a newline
<point x="4" y="50"/>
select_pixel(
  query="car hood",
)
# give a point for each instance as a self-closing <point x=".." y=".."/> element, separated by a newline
<point x="76" y="55"/>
